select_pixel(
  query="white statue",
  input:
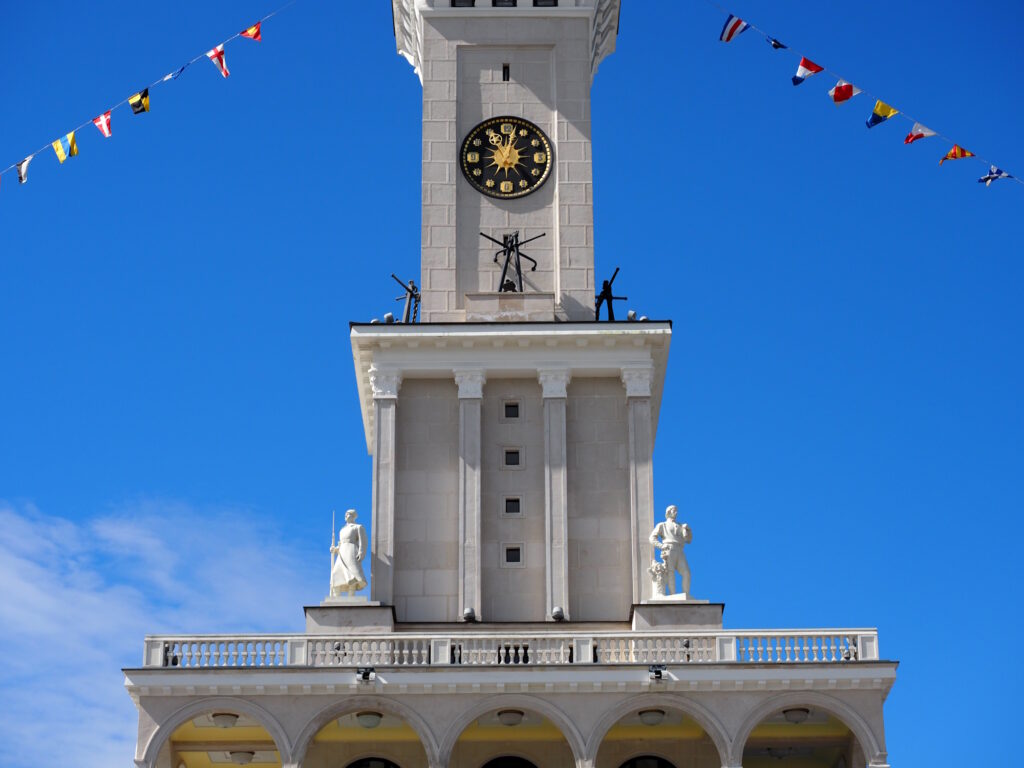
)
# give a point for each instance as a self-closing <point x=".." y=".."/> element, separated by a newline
<point x="346" y="568"/>
<point x="669" y="536"/>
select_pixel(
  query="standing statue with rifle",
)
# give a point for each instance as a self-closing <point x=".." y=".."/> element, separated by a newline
<point x="606" y="296"/>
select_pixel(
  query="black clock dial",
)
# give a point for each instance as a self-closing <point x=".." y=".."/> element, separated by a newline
<point x="506" y="157"/>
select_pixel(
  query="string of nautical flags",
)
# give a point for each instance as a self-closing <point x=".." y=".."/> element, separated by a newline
<point x="67" y="145"/>
<point x="844" y="90"/>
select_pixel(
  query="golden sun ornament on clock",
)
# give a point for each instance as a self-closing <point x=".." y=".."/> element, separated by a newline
<point x="506" y="157"/>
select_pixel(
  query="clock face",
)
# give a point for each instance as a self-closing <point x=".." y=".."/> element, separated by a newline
<point x="506" y="157"/>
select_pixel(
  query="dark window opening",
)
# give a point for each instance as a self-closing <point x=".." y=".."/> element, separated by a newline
<point x="511" y="409"/>
<point x="512" y="458"/>
<point x="513" y="555"/>
<point x="503" y="3"/>
<point x="512" y="506"/>
<point x="545" y="3"/>
<point x="504" y="72"/>
<point x="463" y="3"/>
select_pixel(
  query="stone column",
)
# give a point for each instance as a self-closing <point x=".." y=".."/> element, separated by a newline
<point x="471" y="392"/>
<point x="553" y="382"/>
<point x="637" y="381"/>
<point x="385" y="384"/>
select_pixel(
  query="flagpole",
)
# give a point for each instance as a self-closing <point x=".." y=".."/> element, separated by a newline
<point x="330" y="589"/>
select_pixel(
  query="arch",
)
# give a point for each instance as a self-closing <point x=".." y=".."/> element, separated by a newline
<point x="214" y="704"/>
<point x="647" y="755"/>
<point x="850" y="717"/>
<point x="558" y="718"/>
<point x="366" y="762"/>
<point x="353" y="703"/>
<point x="508" y="761"/>
<point x="703" y="716"/>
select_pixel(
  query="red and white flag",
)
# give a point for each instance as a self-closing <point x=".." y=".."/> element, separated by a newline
<point x="843" y="91"/>
<point x="805" y="70"/>
<point x="103" y="123"/>
<point x="217" y="57"/>
<point x="918" y="132"/>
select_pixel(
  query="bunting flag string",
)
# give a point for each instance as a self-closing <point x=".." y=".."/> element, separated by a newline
<point x="843" y="91"/>
<point x="66" y="146"/>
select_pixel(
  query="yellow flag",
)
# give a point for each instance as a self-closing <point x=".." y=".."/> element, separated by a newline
<point x="65" y="147"/>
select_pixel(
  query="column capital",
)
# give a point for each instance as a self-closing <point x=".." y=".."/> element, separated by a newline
<point x="638" y="380"/>
<point x="385" y="382"/>
<point x="470" y="382"/>
<point x="553" y="381"/>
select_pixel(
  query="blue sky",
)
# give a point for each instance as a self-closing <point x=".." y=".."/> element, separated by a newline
<point x="842" y="424"/>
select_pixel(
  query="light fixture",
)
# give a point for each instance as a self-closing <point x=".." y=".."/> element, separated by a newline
<point x="796" y="715"/>
<point x="510" y="716"/>
<point x="224" y="719"/>
<point x="241" y="758"/>
<point x="651" y="716"/>
<point x="365" y="674"/>
<point x="369" y="719"/>
<point x="557" y="614"/>
<point x="469" y="615"/>
<point x="656" y="671"/>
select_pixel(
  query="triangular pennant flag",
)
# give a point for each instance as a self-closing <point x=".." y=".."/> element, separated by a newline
<point x="173" y="75"/>
<point x="253" y="32"/>
<point x="65" y="147"/>
<point x="881" y="113"/>
<point x="103" y="123"/>
<point x="956" y="153"/>
<point x="217" y="57"/>
<point x="140" y="101"/>
<point x="805" y="70"/>
<point x="993" y="174"/>
<point x="918" y="132"/>
<point x="23" y="169"/>
<point x="775" y="43"/>
<point x="843" y="91"/>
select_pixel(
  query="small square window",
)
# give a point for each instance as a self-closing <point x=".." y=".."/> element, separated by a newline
<point x="513" y="505"/>
<point x="545" y="3"/>
<point x="512" y="457"/>
<point x="463" y="3"/>
<point x="503" y="3"/>
<point x="511" y="409"/>
<point x="513" y="555"/>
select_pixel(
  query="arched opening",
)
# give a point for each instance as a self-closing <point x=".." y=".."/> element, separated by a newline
<point x="366" y="738"/>
<point x="647" y="761"/>
<point x="657" y="736"/>
<point x="509" y="762"/>
<point x="372" y="762"/>
<point x="511" y="737"/>
<point x="802" y="737"/>
<point x="219" y="737"/>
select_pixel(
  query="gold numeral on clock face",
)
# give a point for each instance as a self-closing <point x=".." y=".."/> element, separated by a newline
<point x="540" y="157"/>
<point x="523" y="184"/>
<point x="505" y="186"/>
<point x="507" y="128"/>
<point x="489" y="183"/>
<point x="472" y="157"/>
<point x="476" y="171"/>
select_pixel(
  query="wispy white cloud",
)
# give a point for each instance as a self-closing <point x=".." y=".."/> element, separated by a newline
<point x="77" y="597"/>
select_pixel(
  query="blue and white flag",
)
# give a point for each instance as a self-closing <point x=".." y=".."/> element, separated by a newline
<point x="733" y="27"/>
<point x="993" y="174"/>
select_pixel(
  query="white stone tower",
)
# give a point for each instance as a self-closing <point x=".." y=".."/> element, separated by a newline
<point x="511" y="434"/>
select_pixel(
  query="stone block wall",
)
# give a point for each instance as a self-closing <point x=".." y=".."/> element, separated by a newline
<point x="426" y="561"/>
<point x="549" y="84"/>
<point x="511" y="593"/>
<point x="600" y="563"/>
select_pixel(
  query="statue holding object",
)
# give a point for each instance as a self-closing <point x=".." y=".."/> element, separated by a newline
<point x="670" y="537"/>
<point x="347" y="557"/>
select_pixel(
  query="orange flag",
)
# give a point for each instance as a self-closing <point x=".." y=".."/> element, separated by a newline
<point x="956" y="153"/>
<point x="253" y="32"/>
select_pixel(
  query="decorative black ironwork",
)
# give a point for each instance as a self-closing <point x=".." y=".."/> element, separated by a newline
<point x="411" y="297"/>
<point x="605" y="296"/>
<point x="513" y="256"/>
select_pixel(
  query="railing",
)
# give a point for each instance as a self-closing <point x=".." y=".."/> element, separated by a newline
<point x="831" y="646"/>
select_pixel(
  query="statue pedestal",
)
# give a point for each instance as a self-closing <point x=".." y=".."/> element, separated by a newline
<point x="344" y="615"/>
<point x="348" y="600"/>
<point x="674" y="612"/>
<point x="679" y="597"/>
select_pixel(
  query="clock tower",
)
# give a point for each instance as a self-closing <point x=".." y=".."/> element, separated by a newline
<point x="531" y="60"/>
